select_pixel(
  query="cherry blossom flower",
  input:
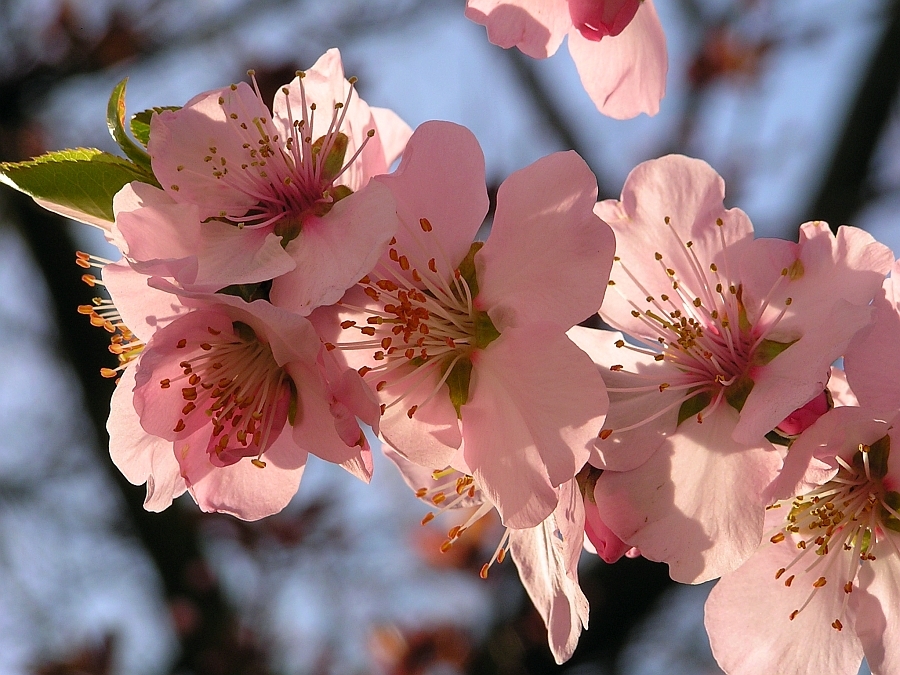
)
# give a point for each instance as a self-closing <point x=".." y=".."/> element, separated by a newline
<point x="466" y="344"/>
<point x="545" y="555"/>
<point x="240" y="182"/>
<point x="728" y="342"/>
<point x="226" y="399"/>
<point x="618" y="46"/>
<point x="825" y="589"/>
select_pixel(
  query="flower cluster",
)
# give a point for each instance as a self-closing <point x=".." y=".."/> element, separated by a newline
<point x="282" y="290"/>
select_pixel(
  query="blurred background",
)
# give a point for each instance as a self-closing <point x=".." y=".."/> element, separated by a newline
<point x="794" y="103"/>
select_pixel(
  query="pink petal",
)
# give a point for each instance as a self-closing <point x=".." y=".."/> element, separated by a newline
<point x="626" y="450"/>
<point x="878" y="610"/>
<point x="431" y="437"/>
<point x="542" y="555"/>
<point x="548" y="256"/>
<point x="141" y="457"/>
<point x="441" y="179"/>
<point x="315" y="430"/>
<point x="789" y="382"/>
<point x="535" y="403"/>
<point x="392" y="132"/>
<point x="624" y="75"/>
<point x="158" y="407"/>
<point x="143" y="309"/>
<point x="748" y="619"/>
<point x="202" y="128"/>
<point x="870" y="362"/>
<point x="243" y="489"/>
<point x="232" y="255"/>
<point x="688" y="192"/>
<point x="334" y="252"/>
<point x="536" y="27"/>
<point x="162" y="237"/>
<point x="697" y="503"/>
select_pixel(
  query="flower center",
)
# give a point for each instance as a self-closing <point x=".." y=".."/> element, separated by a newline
<point x="246" y="395"/>
<point x="853" y="514"/>
<point x="701" y="328"/>
<point x="292" y="177"/>
<point x="422" y="323"/>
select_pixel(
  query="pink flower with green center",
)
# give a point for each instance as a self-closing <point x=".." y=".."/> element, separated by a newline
<point x="824" y="590"/>
<point x="618" y="46"/>
<point x="241" y="183"/>
<point x="226" y="399"/>
<point x="726" y="341"/>
<point x="545" y="555"/>
<point x="465" y="343"/>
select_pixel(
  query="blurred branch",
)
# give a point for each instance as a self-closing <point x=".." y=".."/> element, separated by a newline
<point x="843" y="190"/>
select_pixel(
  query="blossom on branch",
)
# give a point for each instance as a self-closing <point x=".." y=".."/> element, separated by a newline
<point x="465" y="344"/>
<point x="726" y="341"/>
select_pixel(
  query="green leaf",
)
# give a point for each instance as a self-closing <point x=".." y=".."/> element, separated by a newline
<point x="767" y="350"/>
<point x="458" y="381"/>
<point x="695" y="404"/>
<point x="140" y="122"/>
<point x="115" y="120"/>
<point x="78" y="183"/>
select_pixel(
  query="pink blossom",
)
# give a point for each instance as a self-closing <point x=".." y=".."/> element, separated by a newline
<point x="823" y="591"/>
<point x="545" y="555"/>
<point x="728" y="342"/>
<point x="466" y="345"/>
<point x="618" y="46"/>
<point x="227" y="399"/>
<point x="241" y="183"/>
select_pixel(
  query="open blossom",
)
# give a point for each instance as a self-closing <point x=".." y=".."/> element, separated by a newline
<point x="545" y="555"/>
<point x="824" y="590"/>
<point x="226" y="399"/>
<point x="466" y="344"/>
<point x="728" y="342"/>
<point x="251" y="195"/>
<point x="618" y="46"/>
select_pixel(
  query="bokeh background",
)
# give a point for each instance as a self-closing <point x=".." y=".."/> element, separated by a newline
<point x="794" y="103"/>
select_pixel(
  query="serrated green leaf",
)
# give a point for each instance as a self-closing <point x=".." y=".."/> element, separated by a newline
<point x="79" y="183"/>
<point x="140" y="122"/>
<point x="115" y="120"/>
<point x="695" y="404"/>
